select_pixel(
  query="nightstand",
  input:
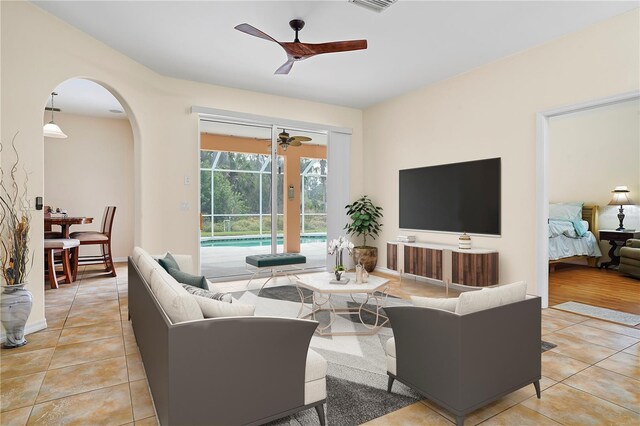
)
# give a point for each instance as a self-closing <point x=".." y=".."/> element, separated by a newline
<point x="615" y="237"/>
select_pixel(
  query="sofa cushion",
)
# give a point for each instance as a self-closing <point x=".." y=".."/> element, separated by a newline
<point x="168" y="262"/>
<point x="473" y="301"/>
<point x="630" y="252"/>
<point x="179" y="305"/>
<point x="146" y="264"/>
<point x="315" y="386"/>
<point x="223" y="297"/>
<point x="390" y="348"/>
<point x="211" y="308"/>
<point x="511" y="293"/>
<point x="187" y="278"/>
<point x="448" y="304"/>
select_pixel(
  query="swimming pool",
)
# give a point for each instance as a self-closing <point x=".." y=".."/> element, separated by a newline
<point x="258" y="241"/>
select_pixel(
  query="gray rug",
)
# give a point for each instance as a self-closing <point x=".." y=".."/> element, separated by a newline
<point x="619" y="317"/>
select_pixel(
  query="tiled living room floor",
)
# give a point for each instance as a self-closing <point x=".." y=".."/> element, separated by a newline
<point x="86" y="369"/>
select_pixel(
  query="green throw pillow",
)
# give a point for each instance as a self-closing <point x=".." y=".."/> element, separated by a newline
<point x="168" y="262"/>
<point x="185" y="278"/>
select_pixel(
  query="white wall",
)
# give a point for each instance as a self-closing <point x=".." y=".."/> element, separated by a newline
<point x="165" y="133"/>
<point x="89" y="170"/>
<point x="590" y="153"/>
<point x="491" y="112"/>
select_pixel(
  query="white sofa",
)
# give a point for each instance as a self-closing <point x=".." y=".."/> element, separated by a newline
<point x="265" y="370"/>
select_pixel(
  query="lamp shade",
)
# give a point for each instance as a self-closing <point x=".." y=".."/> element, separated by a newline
<point x="620" y="197"/>
<point x="52" y="130"/>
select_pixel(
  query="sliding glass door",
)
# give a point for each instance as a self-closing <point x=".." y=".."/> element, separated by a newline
<point x="260" y="192"/>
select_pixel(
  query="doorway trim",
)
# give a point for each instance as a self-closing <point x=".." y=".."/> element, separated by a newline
<point x="542" y="180"/>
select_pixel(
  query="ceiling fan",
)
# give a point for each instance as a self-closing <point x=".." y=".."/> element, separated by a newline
<point x="285" y="140"/>
<point x="298" y="51"/>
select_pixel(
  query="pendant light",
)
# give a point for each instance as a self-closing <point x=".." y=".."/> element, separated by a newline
<point x="51" y="129"/>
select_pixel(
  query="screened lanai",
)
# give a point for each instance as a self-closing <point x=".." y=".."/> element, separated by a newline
<point x="236" y="201"/>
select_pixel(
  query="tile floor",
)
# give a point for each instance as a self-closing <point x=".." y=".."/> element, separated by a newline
<point x="86" y="369"/>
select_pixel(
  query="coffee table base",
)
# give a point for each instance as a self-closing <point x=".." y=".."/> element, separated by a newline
<point x="319" y="300"/>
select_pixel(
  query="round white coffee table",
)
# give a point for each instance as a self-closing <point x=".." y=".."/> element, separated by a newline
<point x="375" y="291"/>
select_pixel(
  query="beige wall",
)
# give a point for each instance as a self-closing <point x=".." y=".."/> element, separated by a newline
<point x="491" y="112"/>
<point x="165" y="133"/>
<point x="590" y="153"/>
<point x="89" y="170"/>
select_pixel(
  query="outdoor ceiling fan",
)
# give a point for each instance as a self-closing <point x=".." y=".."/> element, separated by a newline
<point x="285" y="140"/>
<point x="298" y="51"/>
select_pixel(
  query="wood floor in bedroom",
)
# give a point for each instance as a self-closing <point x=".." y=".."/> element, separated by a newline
<point x="592" y="286"/>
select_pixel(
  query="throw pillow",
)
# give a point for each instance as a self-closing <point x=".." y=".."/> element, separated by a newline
<point x="438" y="303"/>
<point x="216" y="309"/>
<point x="185" y="278"/>
<point x="197" y="291"/>
<point x="168" y="261"/>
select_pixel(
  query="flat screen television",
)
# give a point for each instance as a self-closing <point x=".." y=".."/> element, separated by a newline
<point x="458" y="197"/>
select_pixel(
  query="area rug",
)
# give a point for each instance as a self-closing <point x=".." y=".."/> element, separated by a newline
<point x="356" y="374"/>
<point x="600" y="313"/>
<point x="356" y="371"/>
<point x="546" y="346"/>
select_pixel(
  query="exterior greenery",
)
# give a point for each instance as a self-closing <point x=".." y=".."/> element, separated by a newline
<point x="365" y="218"/>
<point x="235" y="194"/>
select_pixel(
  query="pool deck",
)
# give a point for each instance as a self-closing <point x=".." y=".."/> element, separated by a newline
<point x="223" y="262"/>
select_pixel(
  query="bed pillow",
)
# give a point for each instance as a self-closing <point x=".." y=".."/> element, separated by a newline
<point x="567" y="211"/>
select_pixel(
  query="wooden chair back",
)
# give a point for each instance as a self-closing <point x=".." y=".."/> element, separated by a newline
<point x="107" y="220"/>
<point x="47" y="213"/>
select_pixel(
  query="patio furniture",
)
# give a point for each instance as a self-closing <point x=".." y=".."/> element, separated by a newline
<point x="68" y="248"/>
<point x="101" y="238"/>
<point x="279" y="263"/>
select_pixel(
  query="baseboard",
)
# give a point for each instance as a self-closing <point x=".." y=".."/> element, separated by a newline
<point x="30" y="328"/>
<point x="120" y="259"/>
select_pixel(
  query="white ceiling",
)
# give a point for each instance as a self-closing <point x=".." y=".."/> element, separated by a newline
<point x="84" y="97"/>
<point x="412" y="44"/>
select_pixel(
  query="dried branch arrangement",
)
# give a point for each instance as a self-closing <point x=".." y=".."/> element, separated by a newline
<point x="15" y="223"/>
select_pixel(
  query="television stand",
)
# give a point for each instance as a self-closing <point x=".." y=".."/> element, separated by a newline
<point x="446" y="263"/>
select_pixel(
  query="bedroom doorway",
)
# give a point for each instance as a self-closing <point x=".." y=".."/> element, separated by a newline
<point x="585" y="153"/>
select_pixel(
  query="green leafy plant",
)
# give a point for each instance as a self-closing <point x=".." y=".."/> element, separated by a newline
<point x="365" y="218"/>
<point x="15" y="223"/>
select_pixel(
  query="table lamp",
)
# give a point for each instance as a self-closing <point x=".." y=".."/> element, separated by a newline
<point x="620" y="198"/>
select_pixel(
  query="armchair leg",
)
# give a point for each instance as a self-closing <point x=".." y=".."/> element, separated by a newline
<point x="320" y="411"/>
<point x="537" y="386"/>
<point x="459" y="420"/>
<point x="390" y="383"/>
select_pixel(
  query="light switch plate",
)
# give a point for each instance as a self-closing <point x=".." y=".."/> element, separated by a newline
<point x="187" y="180"/>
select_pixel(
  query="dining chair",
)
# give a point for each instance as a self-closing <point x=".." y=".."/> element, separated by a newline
<point x="48" y="231"/>
<point x="101" y="238"/>
<point x="68" y="250"/>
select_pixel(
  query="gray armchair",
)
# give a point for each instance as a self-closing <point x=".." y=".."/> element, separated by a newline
<point x="630" y="258"/>
<point x="463" y="362"/>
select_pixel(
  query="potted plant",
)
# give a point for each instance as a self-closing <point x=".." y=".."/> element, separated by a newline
<point x="336" y="247"/>
<point x="15" y="259"/>
<point x="365" y="217"/>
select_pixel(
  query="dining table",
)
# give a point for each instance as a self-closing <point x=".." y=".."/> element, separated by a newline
<point x="65" y="222"/>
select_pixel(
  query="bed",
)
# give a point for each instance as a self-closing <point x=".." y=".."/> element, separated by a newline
<point x="565" y="242"/>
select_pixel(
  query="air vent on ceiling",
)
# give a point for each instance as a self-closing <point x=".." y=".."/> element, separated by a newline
<point x="375" y="5"/>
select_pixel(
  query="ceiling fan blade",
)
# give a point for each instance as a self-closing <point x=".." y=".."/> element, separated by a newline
<point x="251" y="30"/>
<point x="295" y="142"/>
<point x="285" y="68"/>
<point x="307" y="50"/>
<point x="301" y="138"/>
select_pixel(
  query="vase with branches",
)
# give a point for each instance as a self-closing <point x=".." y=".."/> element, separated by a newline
<point x="15" y="258"/>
